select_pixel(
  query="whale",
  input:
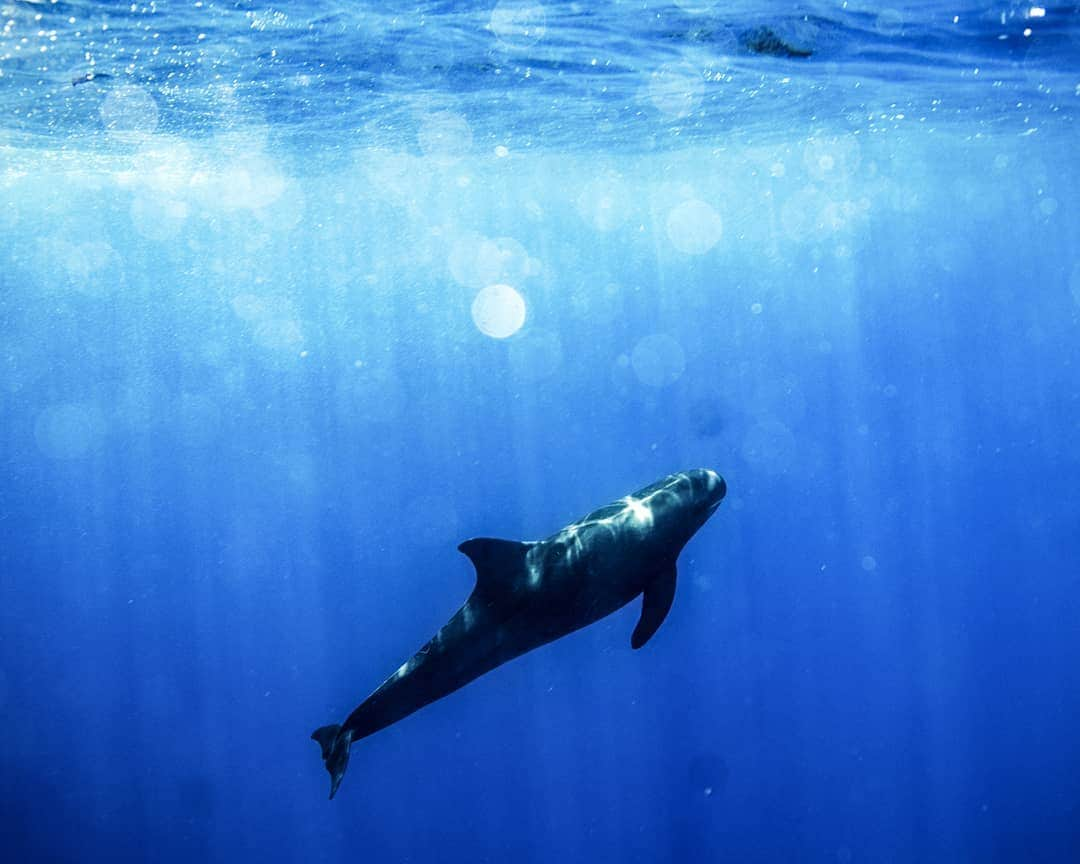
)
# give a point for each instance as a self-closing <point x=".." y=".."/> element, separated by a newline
<point x="529" y="593"/>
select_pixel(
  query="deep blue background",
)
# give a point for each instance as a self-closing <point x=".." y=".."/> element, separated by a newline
<point x="247" y="417"/>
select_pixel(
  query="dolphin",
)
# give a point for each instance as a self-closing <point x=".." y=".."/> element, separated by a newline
<point x="530" y="593"/>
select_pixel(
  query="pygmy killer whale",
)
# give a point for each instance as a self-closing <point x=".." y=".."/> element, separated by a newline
<point x="530" y="593"/>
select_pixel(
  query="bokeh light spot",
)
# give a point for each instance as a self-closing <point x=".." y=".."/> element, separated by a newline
<point x="694" y="227"/>
<point x="445" y="137"/>
<point x="604" y="203"/>
<point x="248" y="184"/>
<point x="498" y="311"/>
<point x="658" y="360"/>
<point x="675" y="89"/>
<point x="476" y="261"/>
<point x="832" y="158"/>
<point x="518" y="24"/>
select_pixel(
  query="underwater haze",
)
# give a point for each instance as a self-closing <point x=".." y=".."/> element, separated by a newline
<point x="297" y="296"/>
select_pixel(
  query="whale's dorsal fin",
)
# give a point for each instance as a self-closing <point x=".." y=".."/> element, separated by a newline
<point x="655" y="603"/>
<point x="500" y="564"/>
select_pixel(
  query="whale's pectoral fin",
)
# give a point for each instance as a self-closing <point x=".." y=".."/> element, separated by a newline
<point x="655" y="603"/>
<point x="500" y="564"/>
<point x="335" y="746"/>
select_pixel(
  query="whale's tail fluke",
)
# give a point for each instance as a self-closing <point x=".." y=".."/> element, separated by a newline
<point x="335" y="745"/>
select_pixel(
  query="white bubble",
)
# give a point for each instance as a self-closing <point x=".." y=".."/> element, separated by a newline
<point x="445" y="137"/>
<point x="869" y="563"/>
<point x="675" y="89"/>
<point x="476" y="261"/>
<point x="658" y="360"/>
<point x="518" y="24"/>
<point x="604" y="203"/>
<point x="1048" y="206"/>
<point x="498" y="311"/>
<point x="694" y="227"/>
<point x="755" y="308"/>
<point x="831" y="159"/>
<point x="69" y="430"/>
<point x="129" y="109"/>
<point x="536" y="355"/>
<point x="770" y="446"/>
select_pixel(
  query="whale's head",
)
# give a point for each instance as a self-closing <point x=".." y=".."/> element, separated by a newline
<point x="706" y="489"/>
<point x="674" y="508"/>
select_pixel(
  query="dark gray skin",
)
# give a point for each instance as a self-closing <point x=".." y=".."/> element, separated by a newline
<point x="528" y="594"/>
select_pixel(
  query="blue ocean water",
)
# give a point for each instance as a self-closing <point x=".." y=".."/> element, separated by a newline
<point x="258" y="381"/>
